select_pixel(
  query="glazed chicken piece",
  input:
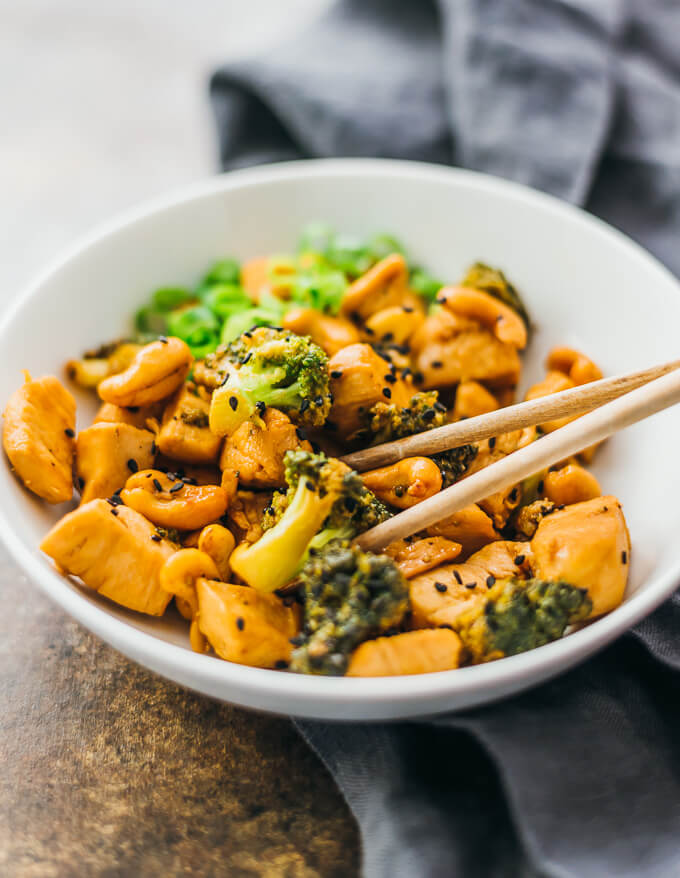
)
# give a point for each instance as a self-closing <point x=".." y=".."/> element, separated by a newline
<point x="184" y="434"/>
<point x="587" y="545"/>
<point x="414" y="556"/>
<point x="449" y="349"/>
<point x="358" y="381"/>
<point x="413" y="652"/>
<point x="38" y="437"/>
<point x="256" y="453"/>
<point x="137" y="416"/>
<point x="330" y="333"/>
<point x="106" y="455"/>
<point x="439" y="595"/>
<point x="245" y="514"/>
<point x="245" y="626"/>
<point x="115" y="551"/>
<point x="471" y="527"/>
<point x="473" y="399"/>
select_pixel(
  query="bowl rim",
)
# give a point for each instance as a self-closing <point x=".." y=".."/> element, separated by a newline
<point x="313" y="694"/>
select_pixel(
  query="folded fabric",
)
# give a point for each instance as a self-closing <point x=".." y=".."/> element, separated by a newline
<point x="580" y="98"/>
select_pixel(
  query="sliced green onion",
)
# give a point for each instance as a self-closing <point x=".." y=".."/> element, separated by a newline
<point x="227" y="271"/>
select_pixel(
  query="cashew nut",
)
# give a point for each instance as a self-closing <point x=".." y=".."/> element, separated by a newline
<point x="498" y="318"/>
<point x="169" y="502"/>
<point x="571" y="484"/>
<point x="157" y="370"/>
<point x="383" y="285"/>
<point x="577" y="366"/>
<point x="218" y="543"/>
<point x="330" y="333"/>
<point x="405" y="483"/>
<point x="179" y="574"/>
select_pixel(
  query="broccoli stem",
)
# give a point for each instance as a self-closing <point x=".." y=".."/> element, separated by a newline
<point x="275" y="559"/>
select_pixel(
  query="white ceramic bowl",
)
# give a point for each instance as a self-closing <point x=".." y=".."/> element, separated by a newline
<point x="585" y="284"/>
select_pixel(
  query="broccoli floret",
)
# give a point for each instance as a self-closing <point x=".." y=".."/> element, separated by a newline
<point x="454" y="463"/>
<point x="349" y="596"/>
<point x="325" y="501"/>
<point x="519" y="615"/>
<point x="384" y="422"/>
<point x="496" y="284"/>
<point x="268" y="367"/>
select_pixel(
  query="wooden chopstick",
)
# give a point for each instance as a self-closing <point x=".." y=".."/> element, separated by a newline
<point x="549" y="449"/>
<point x="566" y="403"/>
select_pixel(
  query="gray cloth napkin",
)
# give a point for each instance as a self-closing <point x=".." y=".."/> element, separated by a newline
<point x="580" y="98"/>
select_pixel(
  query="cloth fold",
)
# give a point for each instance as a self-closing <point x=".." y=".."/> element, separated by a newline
<point x="580" y="98"/>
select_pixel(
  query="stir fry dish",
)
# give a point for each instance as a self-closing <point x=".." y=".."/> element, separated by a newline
<point x="212" y="476"/>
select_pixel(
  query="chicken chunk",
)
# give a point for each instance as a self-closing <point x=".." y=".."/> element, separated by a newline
<point x="587" y="545"/>
<point x="185" y="434"/>
<point x="473" y="399"/>
<point x="106" y="454"/>
<point x="471" y="527"/>
<point x="330" y="333"/>
<point x="358" y="382"/>
<point x="413" y="652"/>
<point x="413" y="557"/>
<point x="114" y="551"/>
<point x="439" y="595"/>
<point x="38" y="437"/>
<point x="449" y="349"/>
<point x="245" y="626"/>
<point x="137" y="416"/>
<point x="256" y="453"/>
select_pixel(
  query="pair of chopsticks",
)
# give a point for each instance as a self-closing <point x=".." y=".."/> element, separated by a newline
<point x="611" y="403"/>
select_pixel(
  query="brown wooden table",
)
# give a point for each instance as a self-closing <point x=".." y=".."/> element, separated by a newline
<point x="108" y="770"/>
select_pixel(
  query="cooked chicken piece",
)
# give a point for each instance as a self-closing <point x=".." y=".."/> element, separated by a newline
<point x="256" y="453"/>
<point x="358" y="382"/>
<point x="185" y="434"/>
<point x="395" y="324"/>
<point x="473" y="399"/>
<point x="245" y="514"/>
<point x="440" y="594"/>
<point x="38" y="437"/>
<point x="449" y="349"/>
<point x="587" y="545"/>
<point x="413" y="557"/>
<point x="115" y="551"/>
<point x="135" y="416"/>
<point x="106" y="454"/>
<point x="245" y="626"/>
<point x="471" y="527"/>
<point x="330" y="333"/>
<point x="413" y="652"/>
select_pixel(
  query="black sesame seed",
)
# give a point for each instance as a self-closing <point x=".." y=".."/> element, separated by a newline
<point x="246" y="358"/>
<point x="512" y="496"/>
<point x="114" y="500"/>
<point x="162" y="339"/>
<point x="519" y="560"/>
<point x="132" y="408"/>
<point x="458" y="577"/>
<point x="298" y="640"/>
<point x="387" y="392"/>
<point x="470" y="585"/>
<point x="310" y="486"/>
<point x="441" y="587"/>
<point x="113" y="511"/>
<point x="405" y="372"/>
<point x="441" y="300"/>
<point x="132" y="465"/>
<point x="624" y="557"/>
<point x="492" y="443"/>
<point x="171" y="476"/>
<point x="225" y="379"/>
<point x="336" y="373"/>
<point x="490" y="580"/>
<point x="156" y="538"/>
<point x="407" y="309"/>
<point x="436" y="364"/>
<point x="389" y="336"/>
<point x="304" y="405"/>
<point x="260" y="406"/>
<point x="189" y="480"/>
<point x="69" y="432"/>
<point x="390" y="378"/>
<point x="157" y="485"/>
<point x="318" y="401"/>
<point x="176" y="488"/>
<point x="233" y="402"/>
<point x="368" y="330"/>
<point x="240" y="623"/>
<point x="418" y="377"/>
<point x="440" y="406"/>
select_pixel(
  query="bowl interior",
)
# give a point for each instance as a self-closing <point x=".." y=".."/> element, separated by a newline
<point x="584" y="285"/>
